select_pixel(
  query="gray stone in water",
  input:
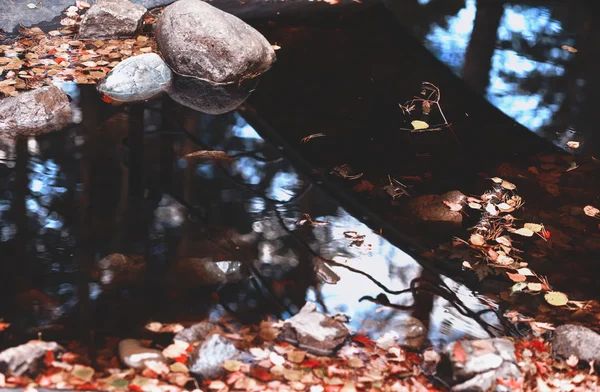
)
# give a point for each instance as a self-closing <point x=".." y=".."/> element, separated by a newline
<point x="26" y="358"/>
<point x="137" y="78"/>
<point x="34" y="112"/>
<point x="109" y="19"/>
<point x="576" y="340"/>
<point x="201" y="41"/>
<point x="478" y="364"/>
<point x="432" y="208"/>
<point x="195" y="333"/>
<point x="314" y="332"/>
<point x="208" y="98"/>
<point x="207" y="359"/>
<point x="132" y="354"/>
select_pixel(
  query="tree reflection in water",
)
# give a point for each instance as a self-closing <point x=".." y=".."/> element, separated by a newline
<point x="202" y="239"/>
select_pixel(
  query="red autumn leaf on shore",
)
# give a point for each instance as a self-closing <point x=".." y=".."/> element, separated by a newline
<point x="181" y="359"/>
<point x="134" y="388"/>
<point x="363" y="339"/>
<point x="49" y="358"/>
<point x="460" y="354"/>
<point x="260" y="373"/>
<point x="310" y="363"/>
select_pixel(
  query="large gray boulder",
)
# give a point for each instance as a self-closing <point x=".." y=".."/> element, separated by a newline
<point x="576" y="340"/>
<point x="34" y="112"/>
<point x="137" y="78"/>
<point x="198" y="40"/>
<point x="110" y="19"/>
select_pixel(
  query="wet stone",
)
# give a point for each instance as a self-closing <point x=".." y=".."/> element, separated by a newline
<point x="133" y="354"/>
<point x="576" y="340"/>
<point x="478" y="364"/>
<point x="195" y="333"/>
<point x="431" y="208"/>
<point x="136" y="78"/>
<point x="111" y="19"/>
<point x="26" y="358"/>
<point x="207" y="359"/>
<point x="201" y="41"/>
<point x="314" y="332"/>
<point x="34" y="112"/>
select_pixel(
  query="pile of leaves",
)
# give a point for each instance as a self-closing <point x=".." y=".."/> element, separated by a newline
<point x="35" y="58"/>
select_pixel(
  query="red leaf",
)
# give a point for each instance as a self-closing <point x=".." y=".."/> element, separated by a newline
<point x="190" y="348"/>
<point x="363" y="339"/>
<point x="310" y="363"/>
<point x="182" y="358"/>
<point x="547" y="234"/>
<point x="134" y="388"/>
<point x="88" y="386"/>
<point x="460" y="354"/>
<point x="59" y="60"/>
<point x="106" y="98"/>
<point x="260" y="373"/>
<point x="149" y="373"/>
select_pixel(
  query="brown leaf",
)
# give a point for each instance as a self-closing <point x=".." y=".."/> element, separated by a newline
<point x="477" y="239"/>
<point x="516" y="277"/>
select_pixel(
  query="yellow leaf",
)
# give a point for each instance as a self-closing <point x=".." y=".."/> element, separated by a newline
<point x="231" y="365"/>
<point x="534" y="286"/>
<point x="535" y="227"/>
<point x="572" y="144"/>
<point x="556" y="298"/>
<point x="497" y="180"/>
<point x="591" y="211"/>
<point x="508" y="185"/>
<point x="418" y="124"/>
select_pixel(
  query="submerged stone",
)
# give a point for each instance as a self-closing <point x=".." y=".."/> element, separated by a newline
<point x="207" y="359"/>
<point x="431" y="208"/>
<point x="195" y="333"/>
<point x="201" y="41"/>
<point x="314" y="332"/>
<point x="34" y="112"/>
<point x="110" y="19"/>
<point x="208" y="98"/>
<point x="133" y="354"/>
<point x="137" y="78"/>
<point x="26" y="358"/>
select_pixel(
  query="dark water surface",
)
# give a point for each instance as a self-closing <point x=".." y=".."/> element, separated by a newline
<point x="208" y="239"/>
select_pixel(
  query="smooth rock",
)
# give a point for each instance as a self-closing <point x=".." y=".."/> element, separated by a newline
<point x="26" y="358"/>
<point x="132" y="354"/>
<point x="576" y="340"/>
<point x="314" y="332"/>
<point x="478" y="364"/>
<point x="207" y="359"/>
<point x="34" y="112"/>
<point x="119" y="269"/>
<point x="208" y="98"/>
<point x="201" y="41"/>
<point x="195" y="333"/>
<point x="137" y="78"/>
<point x="432" y="208"/>
<point x="111" y="19"/>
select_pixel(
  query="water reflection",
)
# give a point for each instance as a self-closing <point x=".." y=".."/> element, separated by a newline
<point x="527" y="59"/>
<point x="199" y="238"/>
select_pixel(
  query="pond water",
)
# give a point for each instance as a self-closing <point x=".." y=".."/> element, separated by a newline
<point x="193" y="239"/>
<point x="532" y="61"/>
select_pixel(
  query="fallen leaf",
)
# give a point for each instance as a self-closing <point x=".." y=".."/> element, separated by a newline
<point x="477" y="239"/>
<point x="534" y="286"/>
<point x="418" y="124"/>
<point x="572" y="144"/>
<point x="177" y="367"/>
<point x="217" y="384"/>
<point x="475" y="206"/>
<point x="491" y="209"/>
<point x="569" y="49"/>
<point x="84" y="373"/>
<point x="453" y="206"/>
<point x="276" y="359"/>
<point x="508" y="185"/>
<point x="503" y="240"/>
<point x="497" y="180"/>
<point x="504" y="260"/>
<point x="232" y="365"/>
<point x="516" y="277"/>
<point x="572" y="361"/>
<point x="535" y="227"/>
<point x="31" y="5"/>
<point x="591" y="211"/>
<point x="157" y="367"/>
<point x="525" y="232"/>
<point x="556" y="298"/>
<point x="276" y="47"/>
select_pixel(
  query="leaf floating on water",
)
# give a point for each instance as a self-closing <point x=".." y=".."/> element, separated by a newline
<point x="535" y="227"/>
<point x="572" y="144"/>
<point x="83" y="372"/>
<point x="418" y="124"/>
<point x="209" y="155"/>
<point x="556" y="298"/>
<point x="475" y="206"/>
<point x="503" y="240"/>
<point x="504" y="260"/>
<point x="591" y="211"/>
<point x="516" y="277"/>
<point x="525" y="232"/>
<point x="497" y="180"/>
<point x="477" y="239"/>
<point x="569" y="49"/>
<point x="491" y="209"/>
<point x="276" y="47"/>
<point x="309" y="137"/>
<point x="31" y="6"/>
<point x="508" y="185"/>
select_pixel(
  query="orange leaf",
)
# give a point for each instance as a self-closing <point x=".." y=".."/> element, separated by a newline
<point x="516" y="277"/>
